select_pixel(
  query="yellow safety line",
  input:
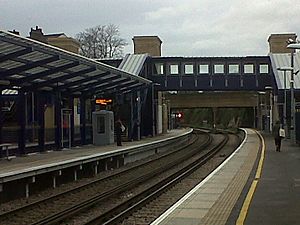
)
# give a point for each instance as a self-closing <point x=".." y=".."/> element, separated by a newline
<point x="262" y="157"/>
<point x="246" y="204"/>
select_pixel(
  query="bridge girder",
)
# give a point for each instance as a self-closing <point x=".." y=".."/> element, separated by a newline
<point x="213" y="99"/>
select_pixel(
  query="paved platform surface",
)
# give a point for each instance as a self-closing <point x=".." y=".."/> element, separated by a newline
<point x="212" y="201"/>
<point x="276" y="200"/>
<point x="221" y="197"/>
<point x="77" y="153"/>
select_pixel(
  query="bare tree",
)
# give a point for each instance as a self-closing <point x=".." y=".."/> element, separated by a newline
<point x="102" y="41"/>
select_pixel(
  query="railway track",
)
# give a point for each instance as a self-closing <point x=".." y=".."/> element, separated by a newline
<point x="56" y="208"/>
<point x="125" y="209"/>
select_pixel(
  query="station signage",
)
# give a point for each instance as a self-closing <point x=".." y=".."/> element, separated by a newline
<point x="103" y="101"/>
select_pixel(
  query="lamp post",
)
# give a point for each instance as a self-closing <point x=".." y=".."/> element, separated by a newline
<point x="269" y="102"/>
<point x="285" y="69"/>
<point x="293" y="45"/>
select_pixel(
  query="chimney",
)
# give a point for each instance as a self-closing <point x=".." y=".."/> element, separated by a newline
<point x="147" y="44"/>
<point x="279" y="42"/>
<point x="37" y="34"/>
<point x="14" y="32"/>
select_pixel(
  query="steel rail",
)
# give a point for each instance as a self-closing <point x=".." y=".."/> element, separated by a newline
<point x="64" y="214"/>
<point x="138" y="201"/>
<point x="87" y="203"/>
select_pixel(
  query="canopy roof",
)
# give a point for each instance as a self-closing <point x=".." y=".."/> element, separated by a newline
<point x="283" y="60"/>
<point x="32" y="66"/>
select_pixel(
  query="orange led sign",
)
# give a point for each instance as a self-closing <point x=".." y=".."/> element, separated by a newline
<point x="103" y="101"/>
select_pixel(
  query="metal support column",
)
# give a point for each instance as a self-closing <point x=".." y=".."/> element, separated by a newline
<point x="22" y="123"/>
<point x="153" y="109"/>
<point x="284" y="107"/>
<point x="93" y="109"/>
<point x="138" y="104"/>
<point x="58" y="128"/>
<point x="131" y="125"/>
<point x="293" y="45"/>
<point x="1" y="118"/>
<point x="214" y="111"/>
<point x="71" y="106"/>
<point x="82" y="120"/>
<point x="259" y="116"/>
<point x="1" y="121"/>
<point x="41" y="121"/>
<point x="293" y="113"/>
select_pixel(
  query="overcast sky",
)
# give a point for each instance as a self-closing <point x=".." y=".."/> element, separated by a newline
<point x="187" y="28"/>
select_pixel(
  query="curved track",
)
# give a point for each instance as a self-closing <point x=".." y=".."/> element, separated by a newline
<point x="170" y="180"/>
<point x="53" y="209"/>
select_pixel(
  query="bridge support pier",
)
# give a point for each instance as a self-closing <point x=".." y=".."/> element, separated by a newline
<point x="215" y="111"/>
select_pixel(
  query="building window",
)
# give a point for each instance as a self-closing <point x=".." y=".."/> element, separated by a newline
<point x="203" y="69"/>
<point x="174" y="69"/>
<point x="234" y="68"/>
<point x="158" y="69"/>
<point x="188" y="68"/>
<point x="218" y="68"/>
<point x="263" y="68"/>
<point x="249" y="68"/>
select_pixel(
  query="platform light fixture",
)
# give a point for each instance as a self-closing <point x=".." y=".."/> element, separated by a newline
<point x="284" y="69"/>
<point x="269" y="90"/>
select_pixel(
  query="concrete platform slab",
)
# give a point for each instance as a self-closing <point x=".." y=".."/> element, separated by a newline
<point x="277" y="196"/>
<point x="44" y="162"/>
<point x="212" y="200"/>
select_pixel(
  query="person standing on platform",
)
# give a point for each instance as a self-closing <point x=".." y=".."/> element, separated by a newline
<point x="119" y="129"/>
<point x="276" y="135"/>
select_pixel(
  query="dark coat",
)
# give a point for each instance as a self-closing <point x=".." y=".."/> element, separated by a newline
<point x="275" y="130"/>
<point x="118" y="128"/>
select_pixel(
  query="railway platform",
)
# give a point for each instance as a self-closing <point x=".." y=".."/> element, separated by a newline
<point x="37" y="160"/>
<point x="23" y="172"/>
<point x="255" y="185"/>
<point x="276" y="199"/>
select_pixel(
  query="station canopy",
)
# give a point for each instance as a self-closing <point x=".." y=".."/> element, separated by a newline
<point x="29" y="65"/>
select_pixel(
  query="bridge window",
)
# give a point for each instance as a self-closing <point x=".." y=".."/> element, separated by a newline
<point x="203" y="69"/>
<point x="158" y="69"/>
<point x="174" y="69"/>
<point x="248" y="68"/>
<point x="234" y="68"/>
<point x="188" y="68"/>
<point x="263" y="68"/>
<point x="218" y="68"/>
